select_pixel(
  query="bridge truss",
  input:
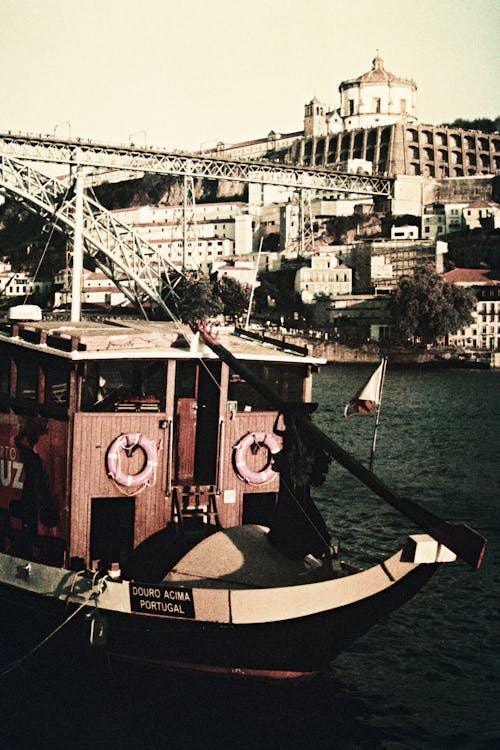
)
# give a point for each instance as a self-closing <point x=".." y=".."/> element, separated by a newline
<point x="136" y="268"/>
<point x="84" y="153"/>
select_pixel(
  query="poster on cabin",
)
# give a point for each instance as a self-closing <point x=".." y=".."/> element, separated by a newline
<point x="32" y="463"/>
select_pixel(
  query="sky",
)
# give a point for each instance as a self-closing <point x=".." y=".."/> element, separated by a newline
<point x="185" y="74"/>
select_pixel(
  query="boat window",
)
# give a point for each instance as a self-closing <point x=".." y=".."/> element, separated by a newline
<point x="286" y="381"/>
<point x="185" y="379"/>
<point x="27" y="380"/>
<point x="4" y="382"/>
<point x="4" y="375"/>
<point x="124" y="386"/>
<point x="56" y="384"/>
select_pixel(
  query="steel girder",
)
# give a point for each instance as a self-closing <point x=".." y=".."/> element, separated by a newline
<point x="85" y="153"/>
<point x="128" y="260"/>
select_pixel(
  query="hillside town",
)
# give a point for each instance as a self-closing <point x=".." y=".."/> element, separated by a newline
<point x="337" y="259"/>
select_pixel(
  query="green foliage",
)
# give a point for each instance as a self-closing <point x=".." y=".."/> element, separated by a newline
<point x="484" y="124"/>
<point x="427" y="308"/>
<point x="200" y="296"/>
<point x="23" y="240"/>
<point x="279" y="287"/>
<point x="195" y="298"/>
<point x="234" y="296"/>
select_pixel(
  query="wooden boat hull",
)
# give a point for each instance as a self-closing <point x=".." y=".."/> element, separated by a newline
<point x="283" y="647"/>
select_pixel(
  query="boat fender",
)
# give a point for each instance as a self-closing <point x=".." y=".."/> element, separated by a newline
<point x="250" y="440"/>
<point x="128" y="442"/>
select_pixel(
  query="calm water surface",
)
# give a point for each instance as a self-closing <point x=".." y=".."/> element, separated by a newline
<point x="427" y="677"/>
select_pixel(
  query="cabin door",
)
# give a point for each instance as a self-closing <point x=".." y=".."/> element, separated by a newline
<point x="112" y="530"/>
<point x="197" y="419"/>
<point x="186" y="420"/>
<point x="207" y="429"/>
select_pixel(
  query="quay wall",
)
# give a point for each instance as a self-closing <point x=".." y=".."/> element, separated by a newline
<point x="332" y="351"/>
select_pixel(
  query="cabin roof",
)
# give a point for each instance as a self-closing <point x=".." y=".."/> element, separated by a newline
<point x="135" y="339"/>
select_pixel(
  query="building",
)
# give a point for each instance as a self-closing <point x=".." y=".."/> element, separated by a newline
<point x="21" y="283"/>
<point x="324" y="277"/>
<point x="484" y="331"/>
<point x="212" y="231"/>
<point x="356" y="317"/>
<point x="242" y="270"/>
<point x="377" y="122"/>
<point x="404" y="232"/>
<point x="97" y="290"/>
<point x="375" y="98"/>
<point x="379" y="264"/>
<point x="480" y="214"/>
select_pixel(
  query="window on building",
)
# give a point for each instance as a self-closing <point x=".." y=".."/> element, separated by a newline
<point x="377" y="104"/>
<point x="402" y="106"/>
<point x="351" y="106"/>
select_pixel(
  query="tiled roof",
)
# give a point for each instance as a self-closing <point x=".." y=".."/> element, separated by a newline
<point x="472" y="276"/>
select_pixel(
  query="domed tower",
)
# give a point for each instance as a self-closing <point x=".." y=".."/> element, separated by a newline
<point x="377" y="98"/>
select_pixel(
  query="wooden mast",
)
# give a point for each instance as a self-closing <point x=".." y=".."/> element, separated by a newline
<point x="464" y="541"/>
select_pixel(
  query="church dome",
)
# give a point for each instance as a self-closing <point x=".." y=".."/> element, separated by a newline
<point x="377" y="75"/>
<point x="377" y="98"/>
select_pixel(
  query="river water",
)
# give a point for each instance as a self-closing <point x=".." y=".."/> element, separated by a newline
<point x="427" y="677"/>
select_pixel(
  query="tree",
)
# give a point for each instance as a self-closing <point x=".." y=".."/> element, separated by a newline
<point x="485" y="124"/>
<point x="427" y="308"/>
<point x="195" y="297"/>
<point x="199" y="296"/>
<point x="234" y="296"/>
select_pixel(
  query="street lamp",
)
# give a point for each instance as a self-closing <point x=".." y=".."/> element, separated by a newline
<point x="138" y="132"/>
<point x="59" y="124"/>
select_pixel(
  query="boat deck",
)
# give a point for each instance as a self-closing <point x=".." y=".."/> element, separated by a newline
<point x="242" y="557"/>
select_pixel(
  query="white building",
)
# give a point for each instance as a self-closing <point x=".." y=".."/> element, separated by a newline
<point x="213" y="230"/>
<point x="373" y="99"/>
<point x="482" y="213"/>
<point x="21" y="283"/>
<point x="405" y="232"/>
<point x="97" y="289"/>
<point x="241" y="270"/>
<point x="484" y="331"/>
<point x="326" y="276"/>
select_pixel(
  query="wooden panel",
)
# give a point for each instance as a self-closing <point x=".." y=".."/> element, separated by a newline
<point x="235" y="427"/>
<point x="92" y="436"/>
<point x="185" y="430"/>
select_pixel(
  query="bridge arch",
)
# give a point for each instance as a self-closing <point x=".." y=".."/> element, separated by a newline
<point x="126" y="258"/>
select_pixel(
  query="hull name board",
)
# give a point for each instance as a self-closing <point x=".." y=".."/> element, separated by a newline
<point x="162" y="600"/>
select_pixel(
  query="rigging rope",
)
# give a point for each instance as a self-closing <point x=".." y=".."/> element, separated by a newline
<point x="49" y="238"/>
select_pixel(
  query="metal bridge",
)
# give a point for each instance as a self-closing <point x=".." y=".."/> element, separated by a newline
<point x="87" y="154"/>
<point x="125" y="257"/>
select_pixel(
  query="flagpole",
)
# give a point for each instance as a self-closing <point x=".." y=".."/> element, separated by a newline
<point x="377" y="419"/>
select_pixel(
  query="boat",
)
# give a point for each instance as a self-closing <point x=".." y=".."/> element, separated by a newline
<point x="155" y="502"/>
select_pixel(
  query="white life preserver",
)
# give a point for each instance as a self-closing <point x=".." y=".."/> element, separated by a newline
<point x="240" y="450"/>
<point x="128" y="442"/>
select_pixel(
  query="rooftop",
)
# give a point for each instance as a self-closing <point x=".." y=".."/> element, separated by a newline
<point x="136" y="339"/>
<point x="472" y="277"/>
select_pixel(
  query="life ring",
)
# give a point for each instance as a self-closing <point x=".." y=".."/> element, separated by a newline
<point x="246" y="442"/>
<point x="128" y="442"/>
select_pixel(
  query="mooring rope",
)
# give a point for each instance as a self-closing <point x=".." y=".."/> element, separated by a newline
<point x="97" y="589"/>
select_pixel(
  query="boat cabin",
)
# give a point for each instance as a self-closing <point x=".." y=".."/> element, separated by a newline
<point x="118" y="437"/>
